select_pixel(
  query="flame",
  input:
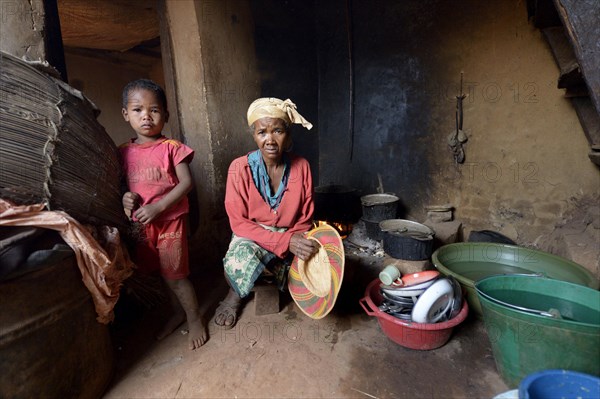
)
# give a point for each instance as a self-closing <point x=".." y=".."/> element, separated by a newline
<point x="343" y="228"/>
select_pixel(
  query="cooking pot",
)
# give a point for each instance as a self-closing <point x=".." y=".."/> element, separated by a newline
<point x="373" y="230"/>
<point x="337" y="203"/>
<point x="405" y="239"/>
<point x="378" y="207"/>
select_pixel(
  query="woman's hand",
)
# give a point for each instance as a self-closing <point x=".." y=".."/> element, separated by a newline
<point x="302" y="247"/>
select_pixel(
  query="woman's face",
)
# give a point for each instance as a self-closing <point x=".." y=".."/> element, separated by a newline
<point x="271" y="137"/>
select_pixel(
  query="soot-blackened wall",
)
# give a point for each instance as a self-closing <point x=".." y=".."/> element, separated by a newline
<point x="287" y="60"/>
<point x="381" y="77"/>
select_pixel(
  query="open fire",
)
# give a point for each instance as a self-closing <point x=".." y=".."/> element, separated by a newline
<point x="342" y="228"/>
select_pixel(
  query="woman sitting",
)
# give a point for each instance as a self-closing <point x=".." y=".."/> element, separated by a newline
<point x="269" y="203"/>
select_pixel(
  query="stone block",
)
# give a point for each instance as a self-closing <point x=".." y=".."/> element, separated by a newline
<point x="445" y="232"/>
<point x="438" y="217"/>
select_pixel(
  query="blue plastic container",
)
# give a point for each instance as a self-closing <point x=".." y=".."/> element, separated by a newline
<point x="563" y="384"/>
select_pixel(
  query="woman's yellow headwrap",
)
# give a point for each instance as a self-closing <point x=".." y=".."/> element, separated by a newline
<point x="275" y="108"/>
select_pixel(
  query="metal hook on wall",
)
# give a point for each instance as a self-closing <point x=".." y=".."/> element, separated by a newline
<point x="458" y="136"/>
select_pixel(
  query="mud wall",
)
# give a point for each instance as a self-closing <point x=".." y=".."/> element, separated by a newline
<point x="526" y="154"/>
<point x="22" y="29"/>
<point x="215" y="77"/>
<point x="287" y="63"/>
<point x="230" y="81"/>
<point x="384" y="76"/>
<point x="102" y="79"/>
<point x="212" y="52"/>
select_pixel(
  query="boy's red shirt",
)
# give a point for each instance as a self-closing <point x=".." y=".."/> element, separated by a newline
<point x="149" y="170"/>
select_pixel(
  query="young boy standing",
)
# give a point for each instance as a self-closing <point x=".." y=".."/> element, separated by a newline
<point x="158" y="180"/>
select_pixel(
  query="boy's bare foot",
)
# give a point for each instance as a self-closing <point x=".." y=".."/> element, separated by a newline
<point x="198" y="334"/>
<point x="185" y="294"/>
<point x="227" y="311"/>
<point x="171" y="325"/>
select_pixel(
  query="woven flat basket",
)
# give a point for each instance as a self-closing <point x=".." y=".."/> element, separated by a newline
<point x="52" y="148"/>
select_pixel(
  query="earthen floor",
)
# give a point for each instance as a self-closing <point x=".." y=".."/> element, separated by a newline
<point x="288" y="355"/>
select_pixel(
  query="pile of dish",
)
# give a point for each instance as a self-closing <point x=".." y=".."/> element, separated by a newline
<point x="422" y="297"/>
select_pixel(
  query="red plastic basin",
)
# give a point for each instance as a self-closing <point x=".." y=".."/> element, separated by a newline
<point x="421" y="336"/>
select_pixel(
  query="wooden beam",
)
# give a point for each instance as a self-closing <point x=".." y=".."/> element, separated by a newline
<point x="580" y="19"/>
<point x="570" y="72"/>
<point x="126" y="59"/>
<point x="589" y="118"/>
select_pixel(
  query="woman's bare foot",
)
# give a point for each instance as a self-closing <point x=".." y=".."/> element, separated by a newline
<point x="226" y="312"/>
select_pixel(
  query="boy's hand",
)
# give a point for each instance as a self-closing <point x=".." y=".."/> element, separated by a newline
<point x="131" y="200"/>
<point x="148" y="213"/>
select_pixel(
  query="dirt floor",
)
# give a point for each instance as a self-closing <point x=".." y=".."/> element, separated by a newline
<point x="290" y="355"/>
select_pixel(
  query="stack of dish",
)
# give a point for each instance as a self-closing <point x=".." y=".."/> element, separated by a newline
<point x="422" y="297"/>
<point x="420" y="336"/>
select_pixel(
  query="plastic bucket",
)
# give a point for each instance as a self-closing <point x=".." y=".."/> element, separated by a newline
<point x="420" y="336"/>
<point x="470" y="262"/>
<point x="524" y="342"/>
<point x="559" y="384"/>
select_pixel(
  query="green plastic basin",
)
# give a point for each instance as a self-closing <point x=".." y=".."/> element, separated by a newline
<point x="469" y="262"/>
<point x="524" y="342"/>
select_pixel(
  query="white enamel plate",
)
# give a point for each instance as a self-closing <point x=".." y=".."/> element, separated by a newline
<point x="434" y="302"/>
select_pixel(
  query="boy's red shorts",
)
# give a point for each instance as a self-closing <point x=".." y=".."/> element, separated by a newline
<point x="165" y="249"/>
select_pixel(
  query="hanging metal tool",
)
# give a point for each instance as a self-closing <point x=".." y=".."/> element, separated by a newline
<point x="458" y="137"/>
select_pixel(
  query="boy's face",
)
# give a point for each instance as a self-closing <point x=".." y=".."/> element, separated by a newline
<point x="146" y="114"/>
